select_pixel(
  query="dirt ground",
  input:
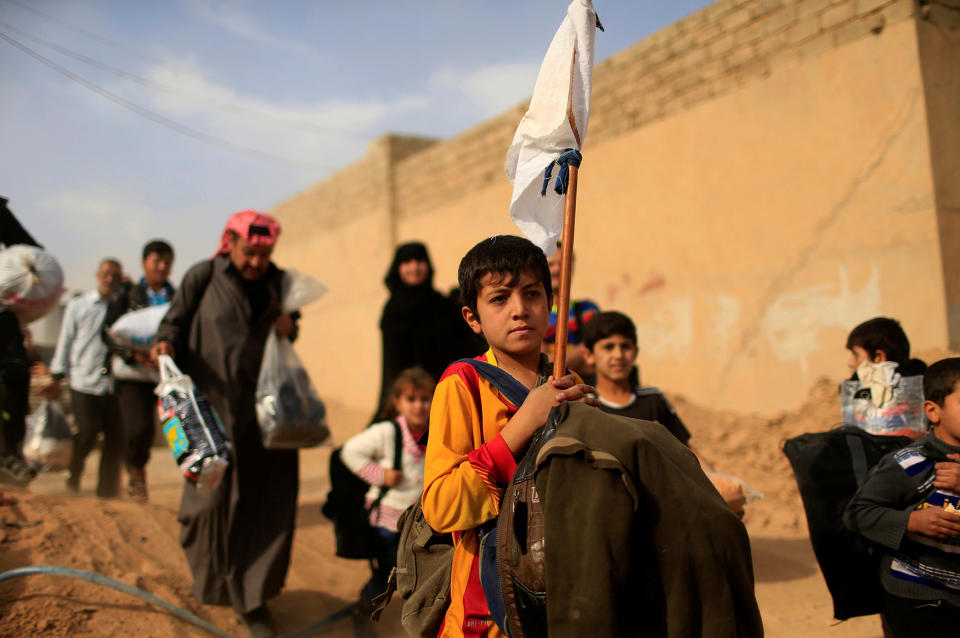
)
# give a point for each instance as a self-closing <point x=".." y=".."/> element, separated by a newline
<point x="137" y="544"/>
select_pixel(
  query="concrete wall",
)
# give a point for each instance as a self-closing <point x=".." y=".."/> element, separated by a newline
<point x="757" y="179"/>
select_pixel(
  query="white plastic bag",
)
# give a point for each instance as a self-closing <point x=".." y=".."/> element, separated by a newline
<point x="31" y="281"/>
<point x="289" y="412"/>
<point x="300" y="290"/>
<point x="136" y="330"/>
<point x="48" y="443"/>
<point x="193" y="428"/>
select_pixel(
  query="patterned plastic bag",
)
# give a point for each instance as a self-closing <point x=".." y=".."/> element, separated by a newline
<point x="901" y="410"/>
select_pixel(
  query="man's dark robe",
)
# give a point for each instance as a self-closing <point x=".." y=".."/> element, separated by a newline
<point x="238" y="538"/>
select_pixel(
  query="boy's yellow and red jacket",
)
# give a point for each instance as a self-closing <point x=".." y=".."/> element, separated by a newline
<point x="468" y="464"/>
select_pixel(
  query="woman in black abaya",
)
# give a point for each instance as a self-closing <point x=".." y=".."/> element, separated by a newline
<point x="420" y="327"/>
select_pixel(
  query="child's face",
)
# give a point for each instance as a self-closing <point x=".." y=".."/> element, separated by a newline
<point x="413" y="404"/>
<point x="613" y="357"/>
<point x="512" y="318"/>
<point x="946" y="419"/>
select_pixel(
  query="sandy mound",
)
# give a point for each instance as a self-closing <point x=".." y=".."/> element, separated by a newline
<point x="138" y="544"/>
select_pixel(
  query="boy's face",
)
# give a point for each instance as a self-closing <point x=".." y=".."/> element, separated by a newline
<point x="156" y="269"/>
<point x="858" y="355"/>
<point x="613" y="357"/>
<point x="946" y="419"/>
<point x="512" y="318"/>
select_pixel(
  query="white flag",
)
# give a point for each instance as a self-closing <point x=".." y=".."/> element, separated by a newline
<point x="555" y="121"/>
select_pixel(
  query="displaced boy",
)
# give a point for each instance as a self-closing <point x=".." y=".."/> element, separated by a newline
<point x="476" y="435"/>
<point x="883" y="395"/>
<point x="611" y="342"/>
<point x="908" y="507"/>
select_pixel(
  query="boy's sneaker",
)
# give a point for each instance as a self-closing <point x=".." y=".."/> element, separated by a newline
<point x="16" y="471"/>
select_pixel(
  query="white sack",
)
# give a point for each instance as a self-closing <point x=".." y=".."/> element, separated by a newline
<point x="31" y="281"/>
<point x="137" y="329"/>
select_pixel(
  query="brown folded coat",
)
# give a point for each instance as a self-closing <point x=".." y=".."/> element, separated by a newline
<point x="638" y="541"/>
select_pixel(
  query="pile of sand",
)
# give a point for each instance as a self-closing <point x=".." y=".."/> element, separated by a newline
<point x="138" y="544"/>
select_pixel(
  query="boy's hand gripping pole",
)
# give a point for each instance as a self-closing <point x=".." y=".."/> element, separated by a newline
<point x="566" y="261"/>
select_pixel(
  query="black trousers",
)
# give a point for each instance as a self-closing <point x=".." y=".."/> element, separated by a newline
<point x="138" y="412"/>
<point x="94" y="414"/>
<point x="908" y="617"/>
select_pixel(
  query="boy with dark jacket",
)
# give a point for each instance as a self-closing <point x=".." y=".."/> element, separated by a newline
<point x="133" y="373"/>
<point x="908" y="506"/>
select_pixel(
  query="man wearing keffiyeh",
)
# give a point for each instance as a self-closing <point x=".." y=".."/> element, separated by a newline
<point x="237" y="538"/>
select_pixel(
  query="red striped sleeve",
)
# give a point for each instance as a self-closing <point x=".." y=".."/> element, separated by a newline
<point x="494" y="463"/>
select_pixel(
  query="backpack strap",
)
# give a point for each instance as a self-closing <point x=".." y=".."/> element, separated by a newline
<point x="858" y="458"/>
<point x="397" y="446"/>
<point x="513" y="390"/>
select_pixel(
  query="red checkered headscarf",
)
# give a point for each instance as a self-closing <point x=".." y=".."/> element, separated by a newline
<point x="256" y="228"/>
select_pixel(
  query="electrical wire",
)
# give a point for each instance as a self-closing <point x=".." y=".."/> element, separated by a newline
<point x="156" y="117"/>
<point x="166" y="88"/>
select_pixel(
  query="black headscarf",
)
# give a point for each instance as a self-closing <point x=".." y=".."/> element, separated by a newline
<point x="420" y="326"/>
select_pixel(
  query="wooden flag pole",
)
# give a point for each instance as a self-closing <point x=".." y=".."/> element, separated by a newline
<point x="566" y="264"/>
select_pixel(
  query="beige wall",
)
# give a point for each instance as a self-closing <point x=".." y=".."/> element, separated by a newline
<point x="746" y="225"/>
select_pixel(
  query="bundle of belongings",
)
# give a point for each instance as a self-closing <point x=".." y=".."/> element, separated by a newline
<point x="48" y="444"/>
<point x="608" y="528"/>
<point x="31" y="281"/>
<point x="193" y="428"/>
<point x="885" y="398"/>
<point x="135" y="330"/>
<point x="289" y="412"/>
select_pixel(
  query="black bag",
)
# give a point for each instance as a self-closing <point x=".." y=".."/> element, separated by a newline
<point x="346" y="504"/>
<point x="829" y="468"/>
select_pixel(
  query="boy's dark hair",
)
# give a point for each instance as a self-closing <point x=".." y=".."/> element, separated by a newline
<point x="940" y="379"/>
<point x="500" y="254"/>
<point x="157" y="247"/>
<point x="606" y="324"/>
<point x="881" y="333"/>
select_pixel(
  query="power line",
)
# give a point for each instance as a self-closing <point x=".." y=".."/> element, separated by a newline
<point x="156" y="117"/>
<point x="84" y="32"/>
<point x="166" y="88"/>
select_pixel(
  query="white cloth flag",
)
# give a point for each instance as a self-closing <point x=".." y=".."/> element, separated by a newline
<point x="562" y="91"/>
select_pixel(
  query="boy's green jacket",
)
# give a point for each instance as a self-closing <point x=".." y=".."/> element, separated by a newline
<point x="638" y="541"/>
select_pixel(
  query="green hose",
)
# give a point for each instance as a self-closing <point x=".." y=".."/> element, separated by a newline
<point x="180" y="613"/>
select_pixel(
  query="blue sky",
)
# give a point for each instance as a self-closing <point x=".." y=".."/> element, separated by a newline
<point x="286" y="92"/>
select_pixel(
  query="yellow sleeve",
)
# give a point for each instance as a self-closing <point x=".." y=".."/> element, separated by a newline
<point x="455" y="496"/>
